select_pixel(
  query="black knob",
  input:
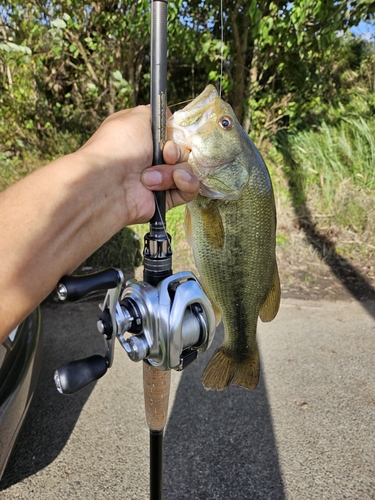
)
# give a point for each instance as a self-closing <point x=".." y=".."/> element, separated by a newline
<point x="74" y="376"/>
<point x="76" y="287"/>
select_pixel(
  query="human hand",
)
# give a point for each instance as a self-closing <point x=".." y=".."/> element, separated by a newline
<point x="176" y="178"/>
<point x="121" y="151"/>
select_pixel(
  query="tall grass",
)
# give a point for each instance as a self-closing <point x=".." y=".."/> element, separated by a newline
<point x="331" y="171"/>
<point x="332" y="155"/>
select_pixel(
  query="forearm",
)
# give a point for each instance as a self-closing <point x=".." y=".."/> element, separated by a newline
<point x="50" y="223"/>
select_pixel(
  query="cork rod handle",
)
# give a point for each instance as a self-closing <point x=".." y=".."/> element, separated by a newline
<point x="156" y="386"/>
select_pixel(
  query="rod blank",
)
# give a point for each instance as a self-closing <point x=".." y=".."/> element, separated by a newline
<point x="159" y="93"/>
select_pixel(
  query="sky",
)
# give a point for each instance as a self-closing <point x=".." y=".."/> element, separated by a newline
<point x="365" y="30"/>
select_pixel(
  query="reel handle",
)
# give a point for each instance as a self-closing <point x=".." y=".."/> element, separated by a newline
<point x="72" y="288"/>
<point x="74" y="376"/>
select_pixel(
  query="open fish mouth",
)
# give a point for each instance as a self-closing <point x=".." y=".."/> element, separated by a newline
<point x="206" y="97"/>
<point x="187" y="120"/>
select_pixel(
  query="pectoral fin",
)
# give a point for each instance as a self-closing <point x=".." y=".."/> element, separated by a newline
<point x="188" y="227"/>
<point x="270" y="306"/>
<point x="212" y="225"/>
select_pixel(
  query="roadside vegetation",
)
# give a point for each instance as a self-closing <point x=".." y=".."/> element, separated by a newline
<point x="328" y="175"/>
<point x="302" y="85"/>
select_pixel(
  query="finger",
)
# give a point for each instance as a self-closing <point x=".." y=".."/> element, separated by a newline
<point x="187" y="183"/>
<point x="161" y="177"/>
<point x="173" y="154"/>
<point x="187" y="189"/>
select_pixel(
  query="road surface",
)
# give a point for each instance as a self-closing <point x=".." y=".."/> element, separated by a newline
<point x="307" y="432"/>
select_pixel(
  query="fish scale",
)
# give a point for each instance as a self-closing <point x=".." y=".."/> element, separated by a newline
<point x="231" y="227"/>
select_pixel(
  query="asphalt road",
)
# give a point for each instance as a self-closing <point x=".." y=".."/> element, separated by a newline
<point x="307" y="432"/>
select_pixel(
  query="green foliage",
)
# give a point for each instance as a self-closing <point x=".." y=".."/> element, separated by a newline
<point x="331" y="176"/>
<point x="12" y="170"/>
<point x="336" y="154"/>
<point x="123" y="251"/>
<point x="64" y="67"/>
<point x="288" y="67"/>
<point x="282" y="59"/>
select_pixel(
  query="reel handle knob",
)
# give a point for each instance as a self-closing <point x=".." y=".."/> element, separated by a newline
<point x="76" y="287"/>
<point x="73" y="376"/>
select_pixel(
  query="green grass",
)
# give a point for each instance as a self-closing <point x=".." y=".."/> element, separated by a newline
<point x="123" y="250"/>
<point x="337" y="167"/>
<point x="335" y="155"/>
<point x="328" y="174"/>
<point x="282" y="239"/>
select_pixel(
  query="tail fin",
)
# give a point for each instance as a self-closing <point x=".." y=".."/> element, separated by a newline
<point x="224" y="369"/>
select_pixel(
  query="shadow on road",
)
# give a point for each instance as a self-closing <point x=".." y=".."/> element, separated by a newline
<point x="356" y="284"/>
<point x="220" y="444"/>
<point x="52" y="416"/>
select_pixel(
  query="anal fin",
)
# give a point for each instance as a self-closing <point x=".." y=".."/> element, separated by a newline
<point x="270" y="307"/>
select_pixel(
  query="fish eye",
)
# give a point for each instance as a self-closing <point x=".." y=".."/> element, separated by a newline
<point x="226" y="123"/>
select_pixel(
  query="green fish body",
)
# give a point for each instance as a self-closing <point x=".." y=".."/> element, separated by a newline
<point x="231" y="226"/>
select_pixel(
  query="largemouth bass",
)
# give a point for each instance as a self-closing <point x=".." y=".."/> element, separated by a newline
<point x="231" y="227"/>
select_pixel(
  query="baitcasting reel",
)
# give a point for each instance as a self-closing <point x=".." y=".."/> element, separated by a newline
<point x="168" y="323"/>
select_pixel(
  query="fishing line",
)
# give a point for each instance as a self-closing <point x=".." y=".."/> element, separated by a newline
<point x="179" y="103"/>
<point x="162" y="221"/>
<point x="222" y="45"/>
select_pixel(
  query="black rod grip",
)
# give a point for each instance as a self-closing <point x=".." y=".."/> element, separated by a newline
<point x="73" y="288"/>
<point x="74" y="376"/>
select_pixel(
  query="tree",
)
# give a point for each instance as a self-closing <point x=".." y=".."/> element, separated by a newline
<point x="71" y="64"/>
<point x="66" y="65"/>
<point x="280" y="53"/>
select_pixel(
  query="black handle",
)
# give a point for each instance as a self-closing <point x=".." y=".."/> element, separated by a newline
<point x="76" y="287"/>
<point x="74" y="376"/>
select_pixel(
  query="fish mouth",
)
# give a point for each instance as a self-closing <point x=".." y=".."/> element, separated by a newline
<point x="185" y="122"/>
<point x="205" y="98"/>
<point x="198" y="109"/>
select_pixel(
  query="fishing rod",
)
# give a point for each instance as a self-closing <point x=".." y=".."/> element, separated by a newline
<point x="169" y="317"/>
<point x="157" y="249"/>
